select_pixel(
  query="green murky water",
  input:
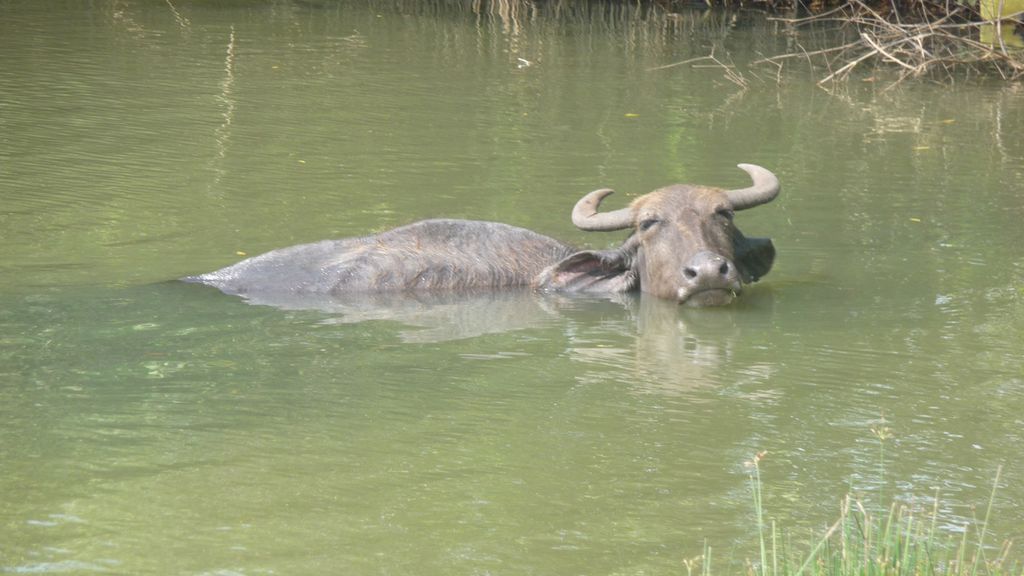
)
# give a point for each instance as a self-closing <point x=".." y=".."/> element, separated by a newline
<point x="152" y="427"/>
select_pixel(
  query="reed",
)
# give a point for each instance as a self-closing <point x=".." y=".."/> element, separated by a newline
<point x="898" y="540"/>
<point x="893" y="541"/>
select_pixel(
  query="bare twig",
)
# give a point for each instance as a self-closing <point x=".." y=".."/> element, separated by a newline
<point x="891" y="58"/>
<point x="682" y="63"/>
<point x="939" y="45"/>
<point x="729" y="70"/>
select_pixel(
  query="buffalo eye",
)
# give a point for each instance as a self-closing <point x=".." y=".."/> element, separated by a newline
<point x="646" y="224"/>
<point x="726" y="213"/>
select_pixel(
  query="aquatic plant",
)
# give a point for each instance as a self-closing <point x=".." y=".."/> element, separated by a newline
<point x="872" y="541"/>
<point x="885" y="542"/>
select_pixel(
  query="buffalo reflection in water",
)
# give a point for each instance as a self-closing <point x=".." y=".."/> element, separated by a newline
<point x="646" y="341"/>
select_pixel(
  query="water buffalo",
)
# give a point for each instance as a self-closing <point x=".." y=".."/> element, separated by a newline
<point x="683" y="246"/>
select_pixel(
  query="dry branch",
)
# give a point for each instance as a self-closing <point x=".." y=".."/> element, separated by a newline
<point x="942" y="44"/>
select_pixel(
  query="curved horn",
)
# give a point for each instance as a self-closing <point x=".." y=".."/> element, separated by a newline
<point x="586" y="217"/>
<point x="766" y="187"/>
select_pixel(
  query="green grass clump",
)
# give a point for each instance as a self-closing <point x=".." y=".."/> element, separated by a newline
<point x="873" y="542"/>
<point x="893" y="542"/>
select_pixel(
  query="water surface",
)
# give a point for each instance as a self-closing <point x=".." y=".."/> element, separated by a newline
<point x="153" y="427"/>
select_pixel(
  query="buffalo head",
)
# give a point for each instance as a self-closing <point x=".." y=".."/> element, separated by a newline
<point x="684" y="244"/>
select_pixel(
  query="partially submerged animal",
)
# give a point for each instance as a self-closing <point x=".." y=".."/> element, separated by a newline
<point x="684" y="247"/>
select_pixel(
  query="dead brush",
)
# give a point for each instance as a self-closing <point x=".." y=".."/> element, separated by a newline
<point x="937" y="41"/>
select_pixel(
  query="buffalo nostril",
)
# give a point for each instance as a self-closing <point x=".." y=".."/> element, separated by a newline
<point x="690" y="273"/>
<point x="724" y="268"/>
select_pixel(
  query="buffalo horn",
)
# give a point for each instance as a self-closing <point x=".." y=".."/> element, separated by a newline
<point x="765" y="188"/>
<point x="586" y="217"/>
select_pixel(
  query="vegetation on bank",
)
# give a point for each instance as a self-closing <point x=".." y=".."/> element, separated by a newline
<point x="867" y="540"/>
<point x="946" y="40"/>
<point x="943" y="39"/>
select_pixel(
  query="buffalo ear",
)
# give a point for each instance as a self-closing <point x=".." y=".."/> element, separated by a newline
<point x="754" y="258"/>
<point x="590" y="271"/>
